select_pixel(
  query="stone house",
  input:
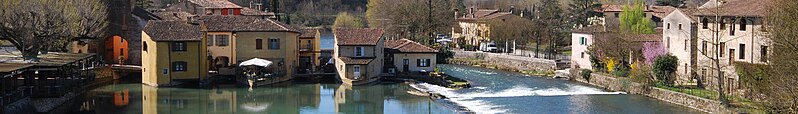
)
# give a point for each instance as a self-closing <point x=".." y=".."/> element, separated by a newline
<point x="407" y="56"/>
<point x="581" y="39"/>
<point x="474" y="26"/>
<point x="310" y="50"/>
<point x="734" y="28"/>
<point x="219" y="7"/>
<point x="173" y="51"/>
<point x="358" y="54"/>
<point x="612" y="14"/>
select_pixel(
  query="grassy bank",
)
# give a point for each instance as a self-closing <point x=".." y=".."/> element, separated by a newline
<point x="484" y="64"/>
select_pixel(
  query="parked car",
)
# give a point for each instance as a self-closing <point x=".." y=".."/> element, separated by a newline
<point x="488" y="47"/>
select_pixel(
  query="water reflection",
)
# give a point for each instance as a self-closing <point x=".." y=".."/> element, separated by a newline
<point x="289" y="99"/>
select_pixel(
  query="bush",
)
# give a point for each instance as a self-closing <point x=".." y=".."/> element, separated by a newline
<point x="621" y="70"/>
<point x="664" y="67"/>
<point x="597" y="64"/>
<point x="586" y="74"/>
<point x="444" y="54"/>
<point x="641" y="74"/>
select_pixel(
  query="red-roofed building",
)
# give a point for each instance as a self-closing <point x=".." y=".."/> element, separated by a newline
<point x="407" y="56"/>
<point x="474" y="26"/>
<point x="358" y="55"/>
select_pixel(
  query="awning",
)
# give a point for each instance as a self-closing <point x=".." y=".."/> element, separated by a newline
<point x="256" y="62"/>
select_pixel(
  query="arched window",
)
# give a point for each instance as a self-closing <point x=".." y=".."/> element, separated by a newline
<point x="144" y="46"/>
<point x="743" y="24"/>
<point x="704" y="23"/>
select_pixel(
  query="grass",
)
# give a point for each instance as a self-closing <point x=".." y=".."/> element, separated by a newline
<point x="743" y="104"/>
<point x="538" y="73"/>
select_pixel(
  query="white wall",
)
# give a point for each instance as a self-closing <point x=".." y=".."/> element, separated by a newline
<point x="577" y="50"/>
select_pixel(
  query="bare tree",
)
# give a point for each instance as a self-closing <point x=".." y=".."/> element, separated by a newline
<point x="781" y="23"/>
<point x="40" y="25"/>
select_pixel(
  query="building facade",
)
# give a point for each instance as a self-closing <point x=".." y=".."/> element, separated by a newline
<point x="358" y="54"/>
<point x="310" y="50"/>
<point x="173" y="51"/>
<point x="406" y="56"/>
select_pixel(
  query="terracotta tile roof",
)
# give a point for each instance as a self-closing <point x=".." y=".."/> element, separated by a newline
<point x="250" y="11"/>
<point x="408" y="46"/>
<point x="357" y="36"/>
<point x="216" y="23"/>
<point x="616" y="8"/>
<point x="167" y="30"/>
<point x="589" y="29"/>
<point x="483" y="15"/>
<point x="215" y="3"/>
<point x="656" y="37"/>
<point x="662" y="11"/>
<point x="309" y="33"/>
<point x="10" y="67"/>
<point x="743" y="8"/>
<point x="356" y="61"/>
<point x="176" y="16"/>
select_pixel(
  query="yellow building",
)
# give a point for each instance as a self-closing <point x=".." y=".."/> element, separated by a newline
<point x="234" y="39"/>
<point x="172" y="51"/>
<point x="407" y="56"/>
<point x="475" y="27"/>
<point x="358" y="55"/>
<point x="309" y="50"/>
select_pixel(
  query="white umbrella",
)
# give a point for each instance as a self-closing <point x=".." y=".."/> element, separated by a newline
<point x="256" y="62"/>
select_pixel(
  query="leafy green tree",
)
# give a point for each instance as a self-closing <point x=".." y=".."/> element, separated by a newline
<point x="664" y="67"/>
<point x="633" y="19"/>
<point x="580" y="10"/>
<point x="346" y="20"/>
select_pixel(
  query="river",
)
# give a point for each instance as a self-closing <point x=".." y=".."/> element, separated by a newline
<point x="493" y="91"/>
<point x="496" y="91"/>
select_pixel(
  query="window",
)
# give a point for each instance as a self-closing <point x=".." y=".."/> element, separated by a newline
<point x="680" y="26"/>
<point x="258" y="44"/>
<point x="359" y="51"/>
<point x="763" y="53"/>
<point x="669" y="42"/>
<point x="582" y="41"/>
<point x="704" y="23"/>
<point x="406" y="61"/>
<point x="121" y="52"/>
<point x="616" y="15"/>
<point x="742" y="51"/>
<point x="274" y="43"/>
<point x="722" y="49"/>
<point x="731" y="26"/>
<point x="685" y="44"/>
<point x="179" y="66"/>
<point x="210" y="40"/>
<point x="144" y="46"/>
<point x="356" y="70"/>
<point x="229" y="11"/>
<point x="178" y="46"/>
<point x="422" y="62"/>
<point x="583" y="55"/>
<point x="722" y="24"/>
<point x="222" y="40"/>
<point x="704" y="47"/>
<point x="669" y="26"/>
<point x="743" y="24"/>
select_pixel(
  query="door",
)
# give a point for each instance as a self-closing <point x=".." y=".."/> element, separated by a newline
<point x="731" y="56"/>
<point x="405" y="65"/>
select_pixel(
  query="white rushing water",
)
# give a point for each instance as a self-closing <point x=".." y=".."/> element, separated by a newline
<point x="479" y="106"/>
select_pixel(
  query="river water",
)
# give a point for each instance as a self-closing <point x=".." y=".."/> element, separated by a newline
<point x="496" y="91"/>
<point x="492" y="92"/>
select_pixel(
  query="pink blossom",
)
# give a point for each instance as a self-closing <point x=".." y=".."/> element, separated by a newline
<point x="652" y="50"/>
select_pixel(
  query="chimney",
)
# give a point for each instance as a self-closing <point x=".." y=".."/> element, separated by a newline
<point x="471" y="12"/>
<point x="456" y="11"/>
<point x="192" y="20"/>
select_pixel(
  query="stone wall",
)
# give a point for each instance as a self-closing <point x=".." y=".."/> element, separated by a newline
<point x="625" y="84"/>
<point x="510" y="61"/>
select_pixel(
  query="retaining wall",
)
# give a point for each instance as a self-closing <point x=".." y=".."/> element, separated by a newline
<point x="513" y="62"/>
<point x="625" y="84"/>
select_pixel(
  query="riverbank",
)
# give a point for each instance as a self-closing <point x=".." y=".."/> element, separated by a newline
<point x="608" y="83"/>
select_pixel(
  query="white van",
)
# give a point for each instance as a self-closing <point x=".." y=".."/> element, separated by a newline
<point x="487" y="47"/>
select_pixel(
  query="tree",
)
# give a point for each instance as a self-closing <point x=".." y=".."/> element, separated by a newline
<point x="664" y="67"/>
<point x="41" y="25"/>
<point x="345" y="20"/>
<point x="581" y="10"/>
<point x="633" y="19"/>
<point x="551" y="17"/>
<point x="505" y="30"/>
<point x="413" y="19"/>
<point x="780" y="92"/>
